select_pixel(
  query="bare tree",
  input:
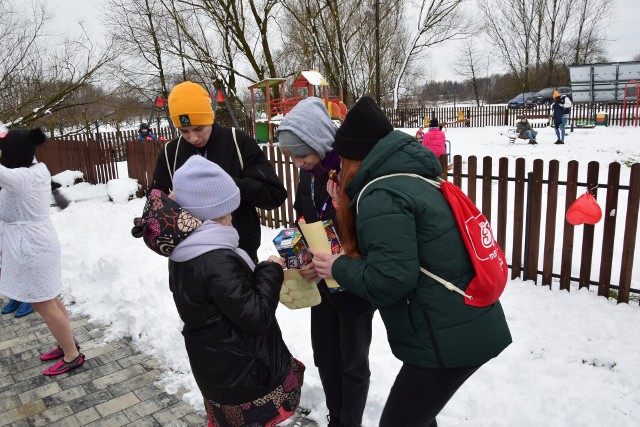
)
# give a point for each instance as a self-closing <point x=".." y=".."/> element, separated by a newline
<point x="37" y="79"/>
<point x="588" y="37"/>
<point x="536" y="39"/>
<point x="338" y="38"/>
<point x="514" y="28"/>
<point x="436" y="22"/>
<point x="319" y="31"/>
<point x="139" y="30"/>
<point x="243" y="28"/>
<point x="557" y="14"/>
<point x="470" y="63"/>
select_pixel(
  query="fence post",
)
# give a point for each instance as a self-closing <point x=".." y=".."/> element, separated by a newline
<point x="518" y="213"/>
<point x="630" y="231"/>
<point x="527" y="220"/>
<point x="535" y="220"/>
<point x="609" y="229"/>
<point x="567" y="237"/>
<point x="586" y="258"/>
<point x="550" y="223"/>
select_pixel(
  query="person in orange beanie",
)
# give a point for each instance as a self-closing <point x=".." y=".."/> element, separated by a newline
<point x="236" y="152"/>
<point x="561" y="111"/>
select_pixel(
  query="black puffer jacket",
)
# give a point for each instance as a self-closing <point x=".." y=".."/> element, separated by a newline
<point x="233" y="340"/>
<point x="259" y="185"/>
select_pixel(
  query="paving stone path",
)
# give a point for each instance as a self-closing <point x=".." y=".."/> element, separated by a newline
<point x="116" y="386"/>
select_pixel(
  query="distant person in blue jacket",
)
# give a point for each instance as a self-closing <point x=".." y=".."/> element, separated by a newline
<point x="144" y="133"/>
<point x="561" y="111"/>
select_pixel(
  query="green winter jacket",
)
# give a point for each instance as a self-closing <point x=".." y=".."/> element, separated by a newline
<point x="404" y="223"/>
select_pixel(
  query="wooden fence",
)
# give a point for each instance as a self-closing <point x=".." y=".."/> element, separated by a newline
<point x="520" y="203"/>
<point x="491" y="115"/>
<point x="501" y="115"/>
<point x="534" y="249"/>
<point x="95" y="154"/>
<point x="526" y="208"/>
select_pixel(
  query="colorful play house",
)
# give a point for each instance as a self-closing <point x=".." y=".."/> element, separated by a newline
<point x="269" y="104"/>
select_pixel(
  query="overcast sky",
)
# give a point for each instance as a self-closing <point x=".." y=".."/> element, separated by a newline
<point x="624" y="32"/>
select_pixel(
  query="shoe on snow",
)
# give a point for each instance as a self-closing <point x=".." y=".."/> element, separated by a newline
<point x="11" y="306"/>
<point x="62" y="367"/>
<point x="24" y="309"/>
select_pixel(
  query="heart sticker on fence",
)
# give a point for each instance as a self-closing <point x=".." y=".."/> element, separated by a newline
<point x="584" y="210"/>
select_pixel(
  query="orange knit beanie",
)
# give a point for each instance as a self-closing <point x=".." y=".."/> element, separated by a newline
<point x="190" y="105"/>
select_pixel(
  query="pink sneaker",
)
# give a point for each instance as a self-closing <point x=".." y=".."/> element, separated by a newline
<point x="61" y="367"/>
<point x="56" y="353"/>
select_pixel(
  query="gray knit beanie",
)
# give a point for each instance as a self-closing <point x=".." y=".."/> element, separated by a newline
<point x="310" y="123"/>
<point x="204" y="189"/>
<point x="291" y="142"/>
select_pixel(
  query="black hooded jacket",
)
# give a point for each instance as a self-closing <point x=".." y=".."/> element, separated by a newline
<point x="230" y="330"/>
<point x="259" y="185"/>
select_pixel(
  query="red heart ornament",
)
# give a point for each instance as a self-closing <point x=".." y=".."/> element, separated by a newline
<point x="584" y="210"/>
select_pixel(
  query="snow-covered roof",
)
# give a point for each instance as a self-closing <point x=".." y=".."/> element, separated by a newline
<point x="314" y="77"/>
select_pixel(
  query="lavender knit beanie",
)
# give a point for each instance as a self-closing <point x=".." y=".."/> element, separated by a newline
<point x="204" y="189"/>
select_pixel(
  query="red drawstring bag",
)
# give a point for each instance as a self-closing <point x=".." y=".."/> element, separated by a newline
<point x="487" y="258"/>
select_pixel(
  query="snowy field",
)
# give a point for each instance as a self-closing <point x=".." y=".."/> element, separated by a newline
<point x="573" y="362"/>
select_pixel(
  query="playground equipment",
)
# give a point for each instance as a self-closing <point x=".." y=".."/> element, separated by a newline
<point x="444" y="122"/>
<point x="312" y="79"/>
<point x="262" y="95"/>
<point x="269" y="105"/>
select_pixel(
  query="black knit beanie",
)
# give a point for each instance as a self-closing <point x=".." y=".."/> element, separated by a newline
<point x="18" y="147"/>
<point x="364" y="125"/>
<point x="434" y="123"/>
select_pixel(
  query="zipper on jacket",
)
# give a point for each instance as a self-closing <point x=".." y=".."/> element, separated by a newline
<point x="432" y="334"/>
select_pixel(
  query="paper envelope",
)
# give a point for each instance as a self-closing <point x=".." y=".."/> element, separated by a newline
<point x="316" y="236"/>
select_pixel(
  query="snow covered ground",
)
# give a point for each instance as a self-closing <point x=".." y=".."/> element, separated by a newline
<point x="573" y="362"/>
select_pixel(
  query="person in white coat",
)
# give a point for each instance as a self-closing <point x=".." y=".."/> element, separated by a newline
<point x="30" y="245"/>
